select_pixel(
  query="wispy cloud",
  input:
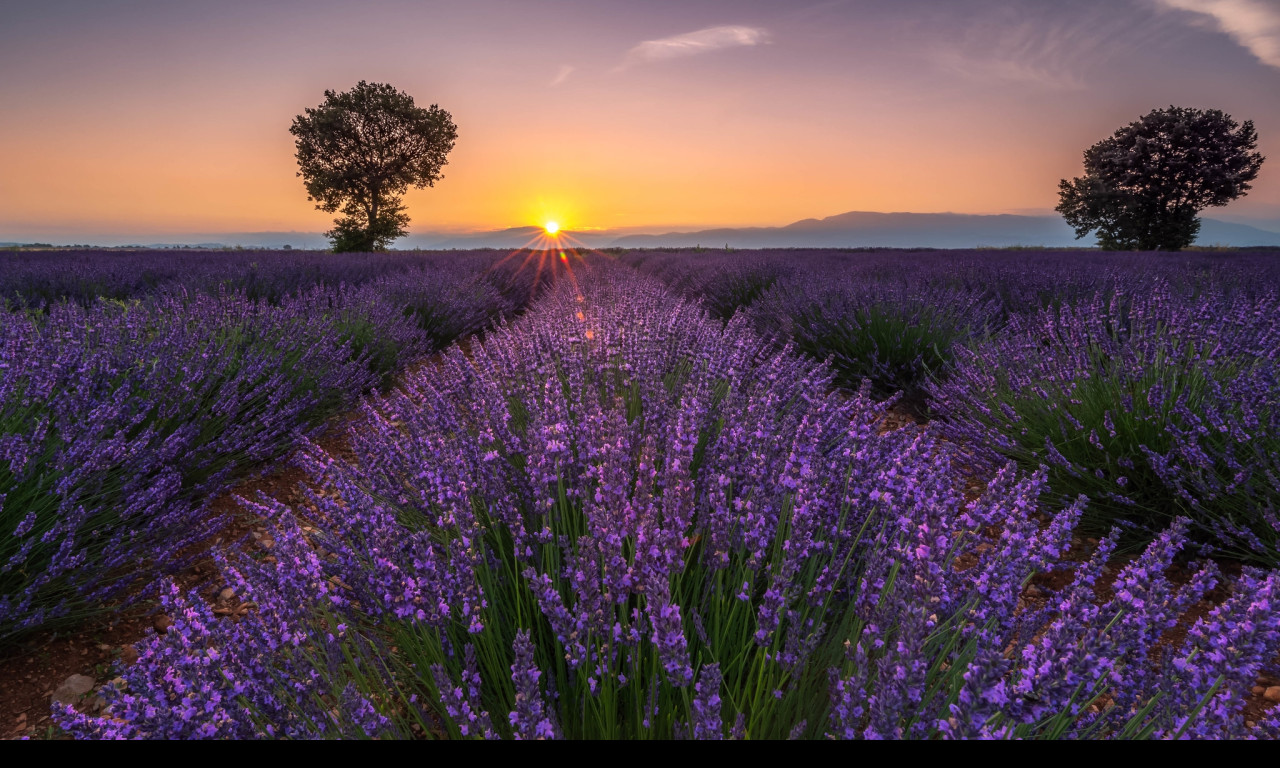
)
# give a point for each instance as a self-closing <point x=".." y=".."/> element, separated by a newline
<point x="694" y="43"/>
<point x="1039" y="50"/>
<point x="1035" y="69"/>
<point x="561" y="75"/>
<point x="1254" y="24"/>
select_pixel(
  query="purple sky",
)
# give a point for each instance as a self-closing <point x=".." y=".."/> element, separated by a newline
<point x="153" y="118"/>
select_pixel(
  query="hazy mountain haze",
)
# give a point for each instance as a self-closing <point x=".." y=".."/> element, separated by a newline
<point x="847" y="230"/>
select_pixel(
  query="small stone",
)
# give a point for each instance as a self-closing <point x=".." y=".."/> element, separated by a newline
<point x="128" y="654"/>
<point x="22" y="719"/>
<point x="1258" y="690"/>
<point x="72" y="689"/>
<point x="226" y="594"/>
<point x="266" y="543"/>
<point x="255" y="535"/>
<point x="103" y="647"/>
<point x="1034" y="591"/>
<point x="162" y="623"/>
<point x="1272" y="693"/>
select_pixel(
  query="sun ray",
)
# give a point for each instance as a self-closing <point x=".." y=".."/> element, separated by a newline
<point x="553" y="251"/>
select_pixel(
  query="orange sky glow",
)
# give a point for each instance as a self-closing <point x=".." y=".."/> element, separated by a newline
<point x="167" y="119"/>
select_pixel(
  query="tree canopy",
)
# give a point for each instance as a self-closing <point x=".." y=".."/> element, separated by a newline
<point x="361" y="150"/>
<point x="1144" y="187"/>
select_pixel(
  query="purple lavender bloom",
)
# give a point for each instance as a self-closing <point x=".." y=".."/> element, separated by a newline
<point x="530" y="718"/>
<point x="1156" y="399"/>
<point x="706" y="719"/>
<point x="651" y="492"/>
<point x="123" y="415"/>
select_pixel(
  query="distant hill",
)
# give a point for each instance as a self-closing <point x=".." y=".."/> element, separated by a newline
<point x="1214" y="232"/>
<point x="515" y="237"/>
<point x="923" y="230"/>
<point x="854" y="229"/>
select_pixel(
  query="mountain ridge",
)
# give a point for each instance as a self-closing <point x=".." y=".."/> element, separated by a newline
<point x="851" y="229"/>
<point x="925" y="230"/>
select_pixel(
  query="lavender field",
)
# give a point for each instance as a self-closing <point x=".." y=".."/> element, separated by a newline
<point x="656" y="493"/>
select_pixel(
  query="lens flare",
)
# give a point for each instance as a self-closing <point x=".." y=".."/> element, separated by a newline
<point x="554" y="252"/>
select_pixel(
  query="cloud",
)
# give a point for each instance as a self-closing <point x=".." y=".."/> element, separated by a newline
<point x="1254" y="24"/>
<point x="694" y="43"/>
<point x="1033" y="48"/>
<point x="1032" y="71"/>
<point x="562" y="75"/>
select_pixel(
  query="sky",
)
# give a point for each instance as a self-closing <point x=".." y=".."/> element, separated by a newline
<point x="160" y="118"/>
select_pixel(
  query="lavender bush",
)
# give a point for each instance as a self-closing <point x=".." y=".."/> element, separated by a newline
<point x="723" y="282"/>
<point x="625" y="519"/>
<point x="272" y="674"/>
<point x="893" y="332"/>
<point x="1154" y="403"/>
<point x="120" y="419"/>
<point x="39" y="278"/>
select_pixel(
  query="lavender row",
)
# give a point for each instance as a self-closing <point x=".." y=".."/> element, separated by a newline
<point x="722" y="282"/>
<point x="624" y="518"/>
<point x="34" y="279"/>
<point x="895" y="332"/>
<point x="1148" y="384"/>
<point x="893" y="318"/>
<point x="119" y="420"/>
<point x="1153" y="402"/>
<point x="1019" y="280"/>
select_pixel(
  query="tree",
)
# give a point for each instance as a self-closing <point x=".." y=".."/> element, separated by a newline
<point x="1145" y="185"/>
<point x="362" y="149"/>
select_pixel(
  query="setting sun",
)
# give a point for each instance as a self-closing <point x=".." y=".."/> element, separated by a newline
<point x="551" y="227"/>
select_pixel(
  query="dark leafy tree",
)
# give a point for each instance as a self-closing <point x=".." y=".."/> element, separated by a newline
<point x="362" y="149"/>
<point x="1144" y="186"/>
